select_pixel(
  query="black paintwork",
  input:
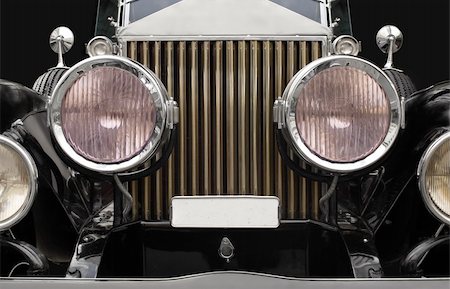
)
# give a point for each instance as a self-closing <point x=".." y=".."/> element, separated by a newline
<point x="37" y="263"/>
<point x="16" y="101"/>
<point x="298" y="249"/>
<point x="397" y="210"/>
<point x="411" y="263"/>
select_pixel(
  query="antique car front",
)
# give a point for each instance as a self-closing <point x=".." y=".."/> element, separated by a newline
<point x="225" y="144"/>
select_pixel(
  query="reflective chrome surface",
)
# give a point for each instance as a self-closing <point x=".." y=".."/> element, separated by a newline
<point x="421" y="173"/>
<point x="99" y="45"/>
<point x="160" y="101"/>
<point x="61" y="40"/>
<point x="346" y="45"/>
<point x="289" y="106"/>
<point x="33" y="185"/>
<point x="389" y="39"/>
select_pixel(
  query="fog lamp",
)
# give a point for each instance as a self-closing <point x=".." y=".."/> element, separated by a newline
<point x="18" y="182"/>
<point x="434" y="178"/>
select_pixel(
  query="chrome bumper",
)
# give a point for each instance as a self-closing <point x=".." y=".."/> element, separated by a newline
<point x="225" y="280"/>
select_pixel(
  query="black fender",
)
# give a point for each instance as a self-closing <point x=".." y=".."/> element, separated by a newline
<point x="58" y="211"/>
<point x="428" y="110"/>
<point x="16" y="101"/>
<point x="407" y="219"/>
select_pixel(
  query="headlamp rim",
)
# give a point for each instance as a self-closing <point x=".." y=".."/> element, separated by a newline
<point x="33" y="182"/>
<point x="290" y="97"/>
<point x="147" y="77"/>
<point x="421" y="172"/>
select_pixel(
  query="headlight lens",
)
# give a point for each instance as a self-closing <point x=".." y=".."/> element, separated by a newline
<point x="18" y="182"/>
<point x="434" y="177"/>
<point x="108" y="114"/>
<point x="101" y="109"/>
<point x="342" y="113"/>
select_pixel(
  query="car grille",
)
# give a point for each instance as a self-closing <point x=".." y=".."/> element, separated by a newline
<point x="226" y="145"/>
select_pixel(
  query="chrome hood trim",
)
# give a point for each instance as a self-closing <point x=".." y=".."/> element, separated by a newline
<point x="222" y="18"/>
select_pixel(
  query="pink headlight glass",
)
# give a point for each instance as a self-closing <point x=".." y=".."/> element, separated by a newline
<point x="342" y="114"/>
<point x="108" y="115"/>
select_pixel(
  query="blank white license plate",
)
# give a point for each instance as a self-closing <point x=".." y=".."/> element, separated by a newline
<point x="225" y="212"/>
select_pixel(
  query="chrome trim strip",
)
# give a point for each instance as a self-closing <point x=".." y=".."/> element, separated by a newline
<point x="319" y="38"/>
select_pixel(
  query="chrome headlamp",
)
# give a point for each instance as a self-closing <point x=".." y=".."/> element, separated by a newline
<point x="434" y="178"/>
<point x="109" y="114"/>
<point x="340" y="113"/>
<point x="346" y="45"/>
<point x="100" y="45"/>
<point x="18" y="182"/>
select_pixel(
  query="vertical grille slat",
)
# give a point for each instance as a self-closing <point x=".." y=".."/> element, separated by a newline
<point x="226" y="145"/>
<point x="243" y="113"/>
<point x="230" y="96"/>
<point x="194" y="121"/>
<point x="218" y="118"/>
<point x="255" y="119"/>
<point x="182" y="131"/>
<point x="267" y="119"/>
<point x="206" y="111"/>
